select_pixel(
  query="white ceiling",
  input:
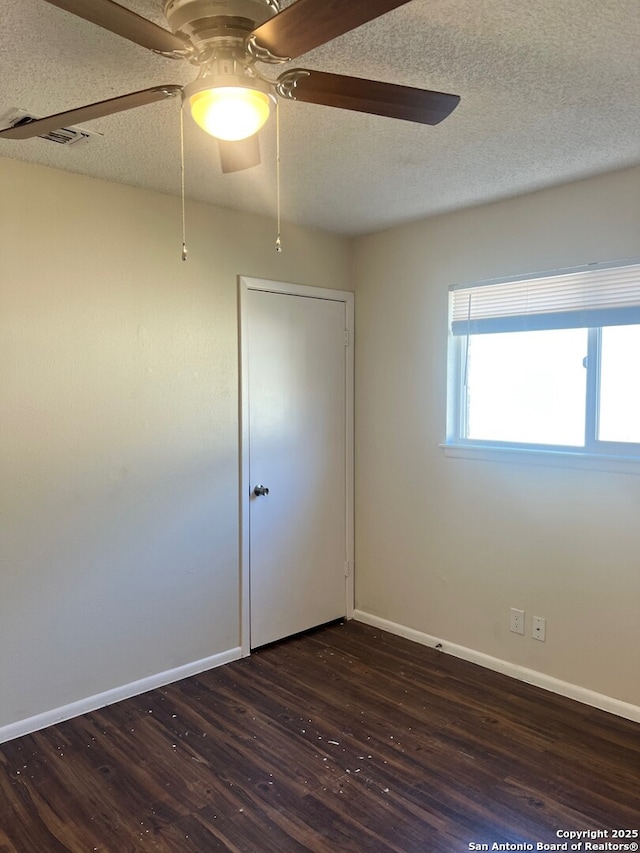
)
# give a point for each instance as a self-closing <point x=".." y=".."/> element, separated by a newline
<point x="550" y="93"/>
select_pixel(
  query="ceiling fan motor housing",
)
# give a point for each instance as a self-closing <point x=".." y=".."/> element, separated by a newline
<point x="218" y="23"/>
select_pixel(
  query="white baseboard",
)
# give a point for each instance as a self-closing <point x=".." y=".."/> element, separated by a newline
<point x="117" y="694"/>
<point x="514" y="670"/>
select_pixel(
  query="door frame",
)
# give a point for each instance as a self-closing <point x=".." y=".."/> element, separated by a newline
<point x="245" y="285"/>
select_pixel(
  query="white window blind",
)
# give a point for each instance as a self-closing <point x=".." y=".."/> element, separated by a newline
<point x="597" y="296"/>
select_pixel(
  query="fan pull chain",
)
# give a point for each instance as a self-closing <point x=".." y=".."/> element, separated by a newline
<point x="184" y="227"/>
<point x="278" y="240"/>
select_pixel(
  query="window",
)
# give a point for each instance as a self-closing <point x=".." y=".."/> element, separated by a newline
<point x="548" y="363"/>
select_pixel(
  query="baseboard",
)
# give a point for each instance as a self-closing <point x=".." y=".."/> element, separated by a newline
<point x="530" y="676"/>
<point x="117" y="694"/>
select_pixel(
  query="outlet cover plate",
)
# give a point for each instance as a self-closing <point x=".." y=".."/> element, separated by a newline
<point x="517" y="621"/>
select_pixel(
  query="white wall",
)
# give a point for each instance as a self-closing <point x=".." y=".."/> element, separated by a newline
<point x="119" y="428"/>
<point x="445" y="546"/>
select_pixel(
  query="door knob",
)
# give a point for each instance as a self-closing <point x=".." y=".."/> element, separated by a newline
<point x="261" y="491"/>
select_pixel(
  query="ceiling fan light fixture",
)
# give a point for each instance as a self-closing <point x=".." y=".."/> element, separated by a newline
<point x="229" y="107"/>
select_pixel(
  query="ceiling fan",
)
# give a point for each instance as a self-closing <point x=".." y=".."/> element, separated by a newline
<point x="227" y="40"/>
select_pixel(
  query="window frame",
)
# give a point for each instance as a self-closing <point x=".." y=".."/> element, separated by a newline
<point x="593" y="449"/>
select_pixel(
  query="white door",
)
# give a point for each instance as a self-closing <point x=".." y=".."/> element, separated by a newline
<point x="295" y="348"/>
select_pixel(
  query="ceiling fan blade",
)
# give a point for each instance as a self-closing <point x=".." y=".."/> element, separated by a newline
<point x="366" y="96"/>
<point x="239" y="155"/>
<point x="123" y="22"/>
<point x="307" y="24"/>
<point x="89" y="112"/>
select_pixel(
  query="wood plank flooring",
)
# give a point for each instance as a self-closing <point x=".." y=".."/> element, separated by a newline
<point x="344" y="739"/>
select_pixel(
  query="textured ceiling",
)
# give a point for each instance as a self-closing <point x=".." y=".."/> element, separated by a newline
<point x="550" y="93"/>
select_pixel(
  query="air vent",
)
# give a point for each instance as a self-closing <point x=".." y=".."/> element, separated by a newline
<point x="62" y="136"/>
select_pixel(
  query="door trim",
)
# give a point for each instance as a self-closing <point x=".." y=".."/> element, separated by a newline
<point x="245" y="285"/>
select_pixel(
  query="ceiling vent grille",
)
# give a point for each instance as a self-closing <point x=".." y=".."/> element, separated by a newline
<point x="62" y="136"/>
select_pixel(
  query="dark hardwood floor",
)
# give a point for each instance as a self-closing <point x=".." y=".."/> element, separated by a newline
<point x="345" y="739"/>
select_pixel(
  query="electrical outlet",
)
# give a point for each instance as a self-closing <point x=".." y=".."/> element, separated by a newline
<point x="517" y="621"/>
<point x="539" y="628"/>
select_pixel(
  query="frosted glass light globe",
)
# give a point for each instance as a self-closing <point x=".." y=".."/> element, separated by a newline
<point x="230" y="112"/>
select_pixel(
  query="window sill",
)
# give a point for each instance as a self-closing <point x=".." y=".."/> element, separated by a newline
<point x="535" y="456"/>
